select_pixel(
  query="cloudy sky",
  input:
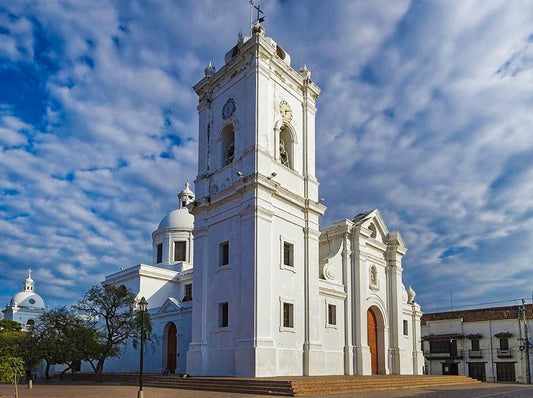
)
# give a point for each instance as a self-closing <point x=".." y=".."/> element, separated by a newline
<point x="426" y="113"/>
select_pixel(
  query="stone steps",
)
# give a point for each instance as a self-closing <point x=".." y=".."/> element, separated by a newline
<point x="288" y="386"/>
<point x="344" y="384"/>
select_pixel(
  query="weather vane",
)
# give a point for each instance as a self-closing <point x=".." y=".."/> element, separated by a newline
<point x="260" y="12"/>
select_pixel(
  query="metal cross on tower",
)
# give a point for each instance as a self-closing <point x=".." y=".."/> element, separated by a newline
<point x="260" y="12"/>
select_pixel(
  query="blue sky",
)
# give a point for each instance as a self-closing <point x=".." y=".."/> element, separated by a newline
<point x="425" y="113"/>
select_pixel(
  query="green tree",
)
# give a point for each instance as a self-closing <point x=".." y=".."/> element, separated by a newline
<point x="111" y="310"/>
<point x="66" y="338"/>
<point x="9" y="326"/>
<point x="11" y="369"/>
<point x="13" y="344"/>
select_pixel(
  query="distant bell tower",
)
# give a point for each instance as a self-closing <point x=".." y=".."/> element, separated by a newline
<point x="256" y="215"/>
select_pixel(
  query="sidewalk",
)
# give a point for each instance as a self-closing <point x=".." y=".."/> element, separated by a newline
<point x="106" y="390"/>
<point x="93" y="390"/>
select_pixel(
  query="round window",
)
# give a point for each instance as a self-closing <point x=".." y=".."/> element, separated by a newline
<point x="32" y="301"/>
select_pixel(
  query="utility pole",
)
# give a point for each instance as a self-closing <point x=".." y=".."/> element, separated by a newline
<point x="526" y="341"/>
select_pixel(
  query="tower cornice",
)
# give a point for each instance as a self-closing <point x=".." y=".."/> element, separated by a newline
<point x="263" y="49"/>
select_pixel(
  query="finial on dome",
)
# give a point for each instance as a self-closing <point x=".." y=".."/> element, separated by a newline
<point x="209" y="70"/>
<point x="410" y="295"/>
<point x="28" y="283"/>
<point x="186" y="196"/>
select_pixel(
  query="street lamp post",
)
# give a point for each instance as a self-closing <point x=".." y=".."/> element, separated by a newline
<point x="143" y="307"/>
<point x="30" y="381"/>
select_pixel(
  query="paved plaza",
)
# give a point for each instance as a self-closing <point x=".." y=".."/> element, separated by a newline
<point x="92" y="390"/>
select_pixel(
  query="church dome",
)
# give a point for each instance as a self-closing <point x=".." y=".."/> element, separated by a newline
<point x="177" y="219"/>
<point x="180" y="218"/>
<point x="28" y="300"/>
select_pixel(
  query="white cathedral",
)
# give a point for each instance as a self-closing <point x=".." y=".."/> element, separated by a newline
<point x="243" y="281"/>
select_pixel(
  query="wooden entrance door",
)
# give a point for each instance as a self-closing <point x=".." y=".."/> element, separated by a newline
<point x="172" y="345"/>
<point x="372" y="333"/>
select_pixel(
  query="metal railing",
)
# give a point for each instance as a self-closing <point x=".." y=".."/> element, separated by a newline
<point x="439" y="355"/>
<point x="504" y="353"/>
<point x="475" y="354"/>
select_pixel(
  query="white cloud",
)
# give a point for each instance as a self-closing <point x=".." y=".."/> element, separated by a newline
<point x="424" y="113"/>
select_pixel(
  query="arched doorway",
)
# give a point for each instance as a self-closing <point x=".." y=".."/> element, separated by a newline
<point x="372" y="337"/>
<point x="172" y="347"/>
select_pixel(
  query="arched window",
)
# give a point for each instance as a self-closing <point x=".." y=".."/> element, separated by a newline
<point x="30" y="322"/>
<point x="286" y="156"/>
<point x="228" y="145"/>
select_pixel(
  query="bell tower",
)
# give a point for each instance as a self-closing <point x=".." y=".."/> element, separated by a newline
<point x="256" y="211"/>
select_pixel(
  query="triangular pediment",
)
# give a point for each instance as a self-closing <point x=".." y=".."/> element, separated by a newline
<point x="373" y="221"/>
<point x="170" y="305"/>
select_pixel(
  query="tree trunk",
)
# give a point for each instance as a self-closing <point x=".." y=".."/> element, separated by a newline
<point x="47" y="371"/>
<point x="74" y="366"/>
<point x="63" y="372"/>
<point x="99" y="370"/>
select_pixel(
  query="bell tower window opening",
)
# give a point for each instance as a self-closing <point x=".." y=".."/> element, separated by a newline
<point x="286" y="148"/>
<point x="228" y="144"/>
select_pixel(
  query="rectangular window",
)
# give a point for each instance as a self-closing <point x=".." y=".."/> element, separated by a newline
<point x="288" y="315"/>
<point x="288" y="254"/>
<point x="405" y="328"/>
<point x="332" y="314"/>
<point x="504" y="344"/>
<point x="440" y="347"/>
<point x="179" y="250"/>
<point x="159" y="253"/>
<point x="475" y="344"/>
<point x="188" y="292"/>
<point x="223" y="315"/>
<point x="224" y="253"/>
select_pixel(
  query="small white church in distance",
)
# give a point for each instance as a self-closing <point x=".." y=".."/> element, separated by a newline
<point x="243" y="280"/>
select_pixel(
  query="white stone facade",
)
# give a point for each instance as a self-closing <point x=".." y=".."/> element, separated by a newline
<point x="273" y="294"/>
<point x="165" y="285"/>
<point x="490" y="344"/>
